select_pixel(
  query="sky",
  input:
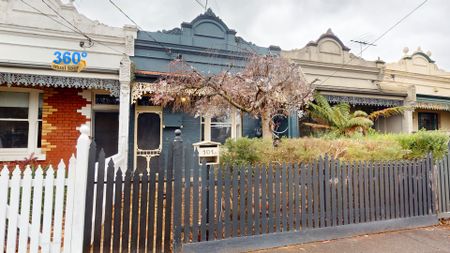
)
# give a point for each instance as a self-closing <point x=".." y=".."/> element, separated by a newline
<point x="292" y="24"/>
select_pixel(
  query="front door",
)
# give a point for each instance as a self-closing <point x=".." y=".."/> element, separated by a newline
<point x="148" y="137"/>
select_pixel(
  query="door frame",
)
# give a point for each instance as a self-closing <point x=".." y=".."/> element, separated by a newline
<point x="147" y="109"/>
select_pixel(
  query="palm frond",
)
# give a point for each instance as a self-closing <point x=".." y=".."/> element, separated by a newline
<point x="360" y="113"/>
<point x="319" y="126"/>
<point x="359" y="122"/>
<point x="388" y="112"/>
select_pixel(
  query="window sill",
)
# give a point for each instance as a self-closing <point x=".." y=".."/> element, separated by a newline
<point x="11" y="157"/>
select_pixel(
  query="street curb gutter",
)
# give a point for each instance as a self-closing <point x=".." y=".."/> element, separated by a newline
<point x="273" y="240"/>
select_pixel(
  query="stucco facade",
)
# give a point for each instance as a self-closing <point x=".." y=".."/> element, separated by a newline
<point x="344" y="77"/>
<point x="53" y="103"/>
<point x="428" y="89"/>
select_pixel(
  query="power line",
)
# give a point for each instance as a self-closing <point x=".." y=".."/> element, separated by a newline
<point x="62" y="17"/>
<point x="202" y="5"/>
<point x="378" y="38"/>
<point x="90" y="40"/>
<point x="57" y="21"/>
<point x="168" y="50"/>
<point x="69" y="27"/>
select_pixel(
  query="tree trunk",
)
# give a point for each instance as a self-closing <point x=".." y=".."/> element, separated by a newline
<point x="265" y="124"/>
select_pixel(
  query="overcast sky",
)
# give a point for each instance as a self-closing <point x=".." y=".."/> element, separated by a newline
<point x="292" y="23"/>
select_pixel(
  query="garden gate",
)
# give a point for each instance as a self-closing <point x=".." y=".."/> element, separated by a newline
<point x="129" y="211"/>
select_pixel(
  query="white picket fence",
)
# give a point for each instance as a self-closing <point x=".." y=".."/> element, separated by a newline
<point x="37" y="209"/>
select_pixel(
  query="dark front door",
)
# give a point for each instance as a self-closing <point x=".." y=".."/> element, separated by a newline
<point x="148" y="139"/>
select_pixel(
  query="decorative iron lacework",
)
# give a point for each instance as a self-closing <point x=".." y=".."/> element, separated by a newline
<point x="364" y="101"/>
<point x="110" y="85"/>
<point x="433" y="106"/>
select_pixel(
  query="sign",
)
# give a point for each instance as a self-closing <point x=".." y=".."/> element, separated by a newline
<point x="69" y="61"/>
<point x="208" y="151"/>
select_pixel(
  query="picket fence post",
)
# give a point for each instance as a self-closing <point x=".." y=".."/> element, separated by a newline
<point x="74" y="243"/>
<point x="177" y="162"/>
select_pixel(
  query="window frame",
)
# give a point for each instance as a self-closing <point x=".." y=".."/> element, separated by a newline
<point x="13" y="154"/>
<point x="437" y="117"/>
<point x="235" y="124"/>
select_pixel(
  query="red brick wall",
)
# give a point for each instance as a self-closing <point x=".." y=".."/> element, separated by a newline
<point x="60" y="120"/>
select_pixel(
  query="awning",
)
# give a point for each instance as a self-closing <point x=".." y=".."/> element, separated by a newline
<point x="432" y="103"/>
<point x="110" y="85"/>
<point x="357" y="100"/>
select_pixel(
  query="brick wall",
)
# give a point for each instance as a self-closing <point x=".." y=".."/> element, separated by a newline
<point x="61" y="116"/>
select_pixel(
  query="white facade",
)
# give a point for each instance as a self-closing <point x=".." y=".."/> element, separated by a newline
<point x="31" y="32"/>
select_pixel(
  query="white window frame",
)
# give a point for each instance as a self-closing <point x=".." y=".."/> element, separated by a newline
<point x="14" y="154"/>
<point x="236" y="123"/>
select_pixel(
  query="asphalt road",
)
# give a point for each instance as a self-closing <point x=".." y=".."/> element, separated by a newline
<point x="423" y="240"/>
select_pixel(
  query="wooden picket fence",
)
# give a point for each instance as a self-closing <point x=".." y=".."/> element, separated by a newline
<point x="40" y="208"/>
<point x="128" y="211"/>
<point x="443" y="182"/>
<point x="252" y="200"/>
<point x="183" y="206"/>
<point x="33" y="203"/>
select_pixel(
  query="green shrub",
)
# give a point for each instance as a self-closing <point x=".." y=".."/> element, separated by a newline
<point x="373" y="147"/>
<point x="239" y="151"/>
<point x="423" y="142"/>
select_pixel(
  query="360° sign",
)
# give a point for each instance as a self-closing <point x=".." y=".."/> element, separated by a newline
<point x="69" y="61"/>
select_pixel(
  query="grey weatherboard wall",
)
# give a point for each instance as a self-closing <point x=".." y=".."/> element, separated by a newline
<point x="207" y="44"/>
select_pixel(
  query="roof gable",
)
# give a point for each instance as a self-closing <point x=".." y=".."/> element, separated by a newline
<point x="329" y="49"/>
<point x="206" y="42"/>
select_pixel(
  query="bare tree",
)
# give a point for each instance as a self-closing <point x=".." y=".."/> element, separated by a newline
<point x="265" y="86"/>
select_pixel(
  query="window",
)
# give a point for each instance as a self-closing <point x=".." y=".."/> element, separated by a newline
<point x="219" y="129"/>
<point x="428" y="121"/>
<point x="20" y="123"/>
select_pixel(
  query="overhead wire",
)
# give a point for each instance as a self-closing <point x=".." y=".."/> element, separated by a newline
<point x="76" y="29"/>
<point x="167" y="49"/>
<point x="68" y="22"/>
<point x="202" y="5"/>
<point x="378" y="38"/>
<point x="70" y="27"/>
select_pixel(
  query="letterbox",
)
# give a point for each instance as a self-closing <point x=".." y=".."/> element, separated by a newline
<point x="208" y="152"/>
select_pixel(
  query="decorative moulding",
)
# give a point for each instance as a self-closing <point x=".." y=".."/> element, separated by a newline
<point x="61" y="82"/>
<point x="353" y="100"/>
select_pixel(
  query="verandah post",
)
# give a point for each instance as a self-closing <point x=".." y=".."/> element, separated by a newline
<point x="178" y="165"/>
<point x="75" y="243"/>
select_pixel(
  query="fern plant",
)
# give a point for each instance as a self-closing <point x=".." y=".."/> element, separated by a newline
<point x="339" y="120"/>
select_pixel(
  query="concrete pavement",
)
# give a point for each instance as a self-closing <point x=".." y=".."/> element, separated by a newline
<point x="423" y="240"/>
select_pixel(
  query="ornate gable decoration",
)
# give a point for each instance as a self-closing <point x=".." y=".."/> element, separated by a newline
<point x="329" y="49"/>
<point x="331" y="36"/>
<point x="418" y="57"/>
<point x="210" y="25"/>
<point x="417" y="62"/>
<point x="207" y="30"/>
<point x="19" y="13"/>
